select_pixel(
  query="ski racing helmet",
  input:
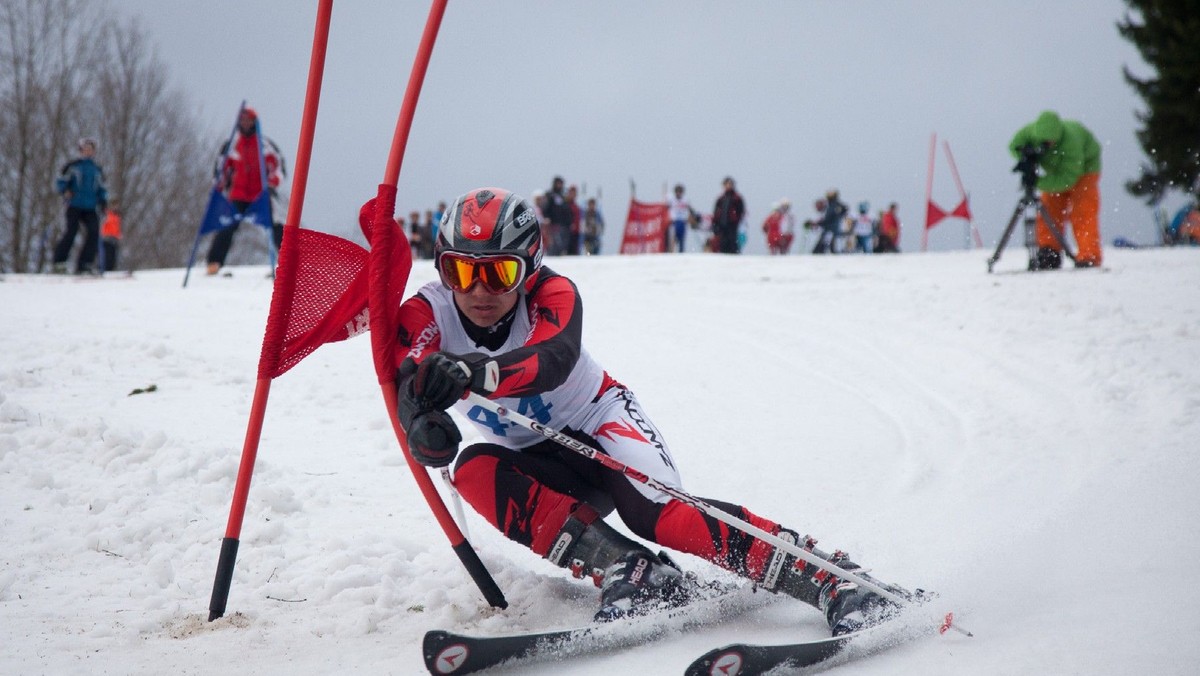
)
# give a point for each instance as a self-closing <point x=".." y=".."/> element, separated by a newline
<point x="489" y="236"/>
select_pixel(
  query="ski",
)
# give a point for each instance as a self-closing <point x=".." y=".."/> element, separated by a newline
<point x="448" y="652"/>
<point x="747" y="659"/>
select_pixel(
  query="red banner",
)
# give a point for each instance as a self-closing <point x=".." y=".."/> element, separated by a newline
<point x="645" y="228"/>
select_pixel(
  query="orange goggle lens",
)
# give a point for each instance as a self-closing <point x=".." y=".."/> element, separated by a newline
<point x="498" y="274"/>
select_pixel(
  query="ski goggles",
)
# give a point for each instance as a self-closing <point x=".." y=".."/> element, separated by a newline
<point x="497" y="273"/>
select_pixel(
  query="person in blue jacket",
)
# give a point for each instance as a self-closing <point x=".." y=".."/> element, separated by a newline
<point x="81" y="183"/>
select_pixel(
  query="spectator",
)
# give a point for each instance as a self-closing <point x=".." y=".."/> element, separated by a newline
<point x="110" y="236"/>
<point x="81" y="183"/>
<point x="864" y="229"/>
<point x="241" y="176"/>
<point x="414" y="226"/>
<point x="483" y="328"/>
<point x="1184" y="227"/>
<point x="1069" y="156"/>
<point x="727" y="218"/>
<point x="813" y="225"/>
<point x="420" y="235"/>
<point x="831" y="222"/>
<point x="593" y="228"/>
<point x="573" y="238"/>
<point x="780" y="228"/>
<point x="889" y="231"/>
<point x="429" y="230"/>
<point x="415" y="241"/>
<point x="558" y="218"/>
<point x="679" y="210"/>
<point x="437" y="219"/>
<point x="539" y="207"/>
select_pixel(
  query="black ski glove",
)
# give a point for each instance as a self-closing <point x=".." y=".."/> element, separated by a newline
<point x="433" y="438"/>
<point x="422" y="381"/>
<point x="425" y="390"/>
<point x="439" y="381"/>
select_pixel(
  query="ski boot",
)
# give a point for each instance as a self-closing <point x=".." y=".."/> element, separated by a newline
<point x="847" y="606"/>
<point x="641" y="583"/>
<point x="632" y="580"/>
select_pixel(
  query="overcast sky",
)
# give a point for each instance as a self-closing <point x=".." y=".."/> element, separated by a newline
<point x="789" y="98"/>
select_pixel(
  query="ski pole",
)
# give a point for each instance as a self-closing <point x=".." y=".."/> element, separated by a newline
<point x="458" y="509"/>
<point x="688" y="499"/>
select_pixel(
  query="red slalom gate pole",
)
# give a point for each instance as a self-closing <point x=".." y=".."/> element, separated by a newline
<point x="384" y="302"/>
<point x="928" y="191"/>
<point x="962" y="194"/>
<point x="277" y="321"/>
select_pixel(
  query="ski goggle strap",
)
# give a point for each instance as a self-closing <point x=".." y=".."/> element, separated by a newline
<point x="498" y="273"/>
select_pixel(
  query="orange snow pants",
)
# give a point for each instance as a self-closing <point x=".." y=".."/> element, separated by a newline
<point x="1079" y="204"/>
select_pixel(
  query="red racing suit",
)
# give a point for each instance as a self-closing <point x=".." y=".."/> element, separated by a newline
<point x="527" y="486"/>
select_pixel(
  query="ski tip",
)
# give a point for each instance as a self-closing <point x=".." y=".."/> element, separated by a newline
<point x="442" y="654"/>
<point x="727" y="660"/>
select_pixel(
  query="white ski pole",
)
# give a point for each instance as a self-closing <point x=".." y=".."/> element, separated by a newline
<point x="458" y="509"/>
<point x="688" y="499"/>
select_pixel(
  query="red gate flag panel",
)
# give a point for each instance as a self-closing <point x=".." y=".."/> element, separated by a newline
<point x="329" y="302"/>
<point x="933" y="214"/>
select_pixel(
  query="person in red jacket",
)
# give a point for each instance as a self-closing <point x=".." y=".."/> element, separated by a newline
<point x="780" y="228"/>
<point x="241" y="175"/>
<point x="502" y="325"/>
<point x="889" y="231"/>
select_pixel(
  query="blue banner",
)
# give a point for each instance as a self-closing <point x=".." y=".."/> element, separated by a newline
<point x="222" y="214"/>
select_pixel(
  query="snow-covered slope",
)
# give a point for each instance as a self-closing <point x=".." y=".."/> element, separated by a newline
<point x="1025" y="444"/>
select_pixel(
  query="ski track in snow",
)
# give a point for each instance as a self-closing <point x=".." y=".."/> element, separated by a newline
<point x="1024" y="444"/>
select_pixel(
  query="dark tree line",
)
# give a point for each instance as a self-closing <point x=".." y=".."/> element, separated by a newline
<point x="1167" y="34"/>
<point x="67" y="70"/>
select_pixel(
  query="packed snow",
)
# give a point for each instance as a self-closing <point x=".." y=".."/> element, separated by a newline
<point x="1024" y="444"/>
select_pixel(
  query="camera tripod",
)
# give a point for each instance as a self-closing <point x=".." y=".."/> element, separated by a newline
<point x="1028" y="169"/>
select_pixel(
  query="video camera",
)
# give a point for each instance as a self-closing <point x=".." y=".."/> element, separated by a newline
<point x="1030" y="205"/>
<point x="1027" y="165"/>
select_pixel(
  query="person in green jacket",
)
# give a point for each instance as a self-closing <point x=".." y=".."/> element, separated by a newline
<point x="1070" y="186"/>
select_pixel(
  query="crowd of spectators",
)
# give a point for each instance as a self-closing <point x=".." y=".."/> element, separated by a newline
<point x="422" y="229"/>
<point x="570" y="228"/>
<point x="839" y="231"/>
<point x="835" y="228"/>
<point x="567" y="228"/>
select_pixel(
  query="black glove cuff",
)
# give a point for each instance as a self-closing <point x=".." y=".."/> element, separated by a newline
<point x="407" y="407"/>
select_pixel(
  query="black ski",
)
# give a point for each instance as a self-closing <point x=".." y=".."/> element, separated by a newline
<point x="449" y="653"/>
<point x="744" y="659"/>
<point x="452" y="653"/>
